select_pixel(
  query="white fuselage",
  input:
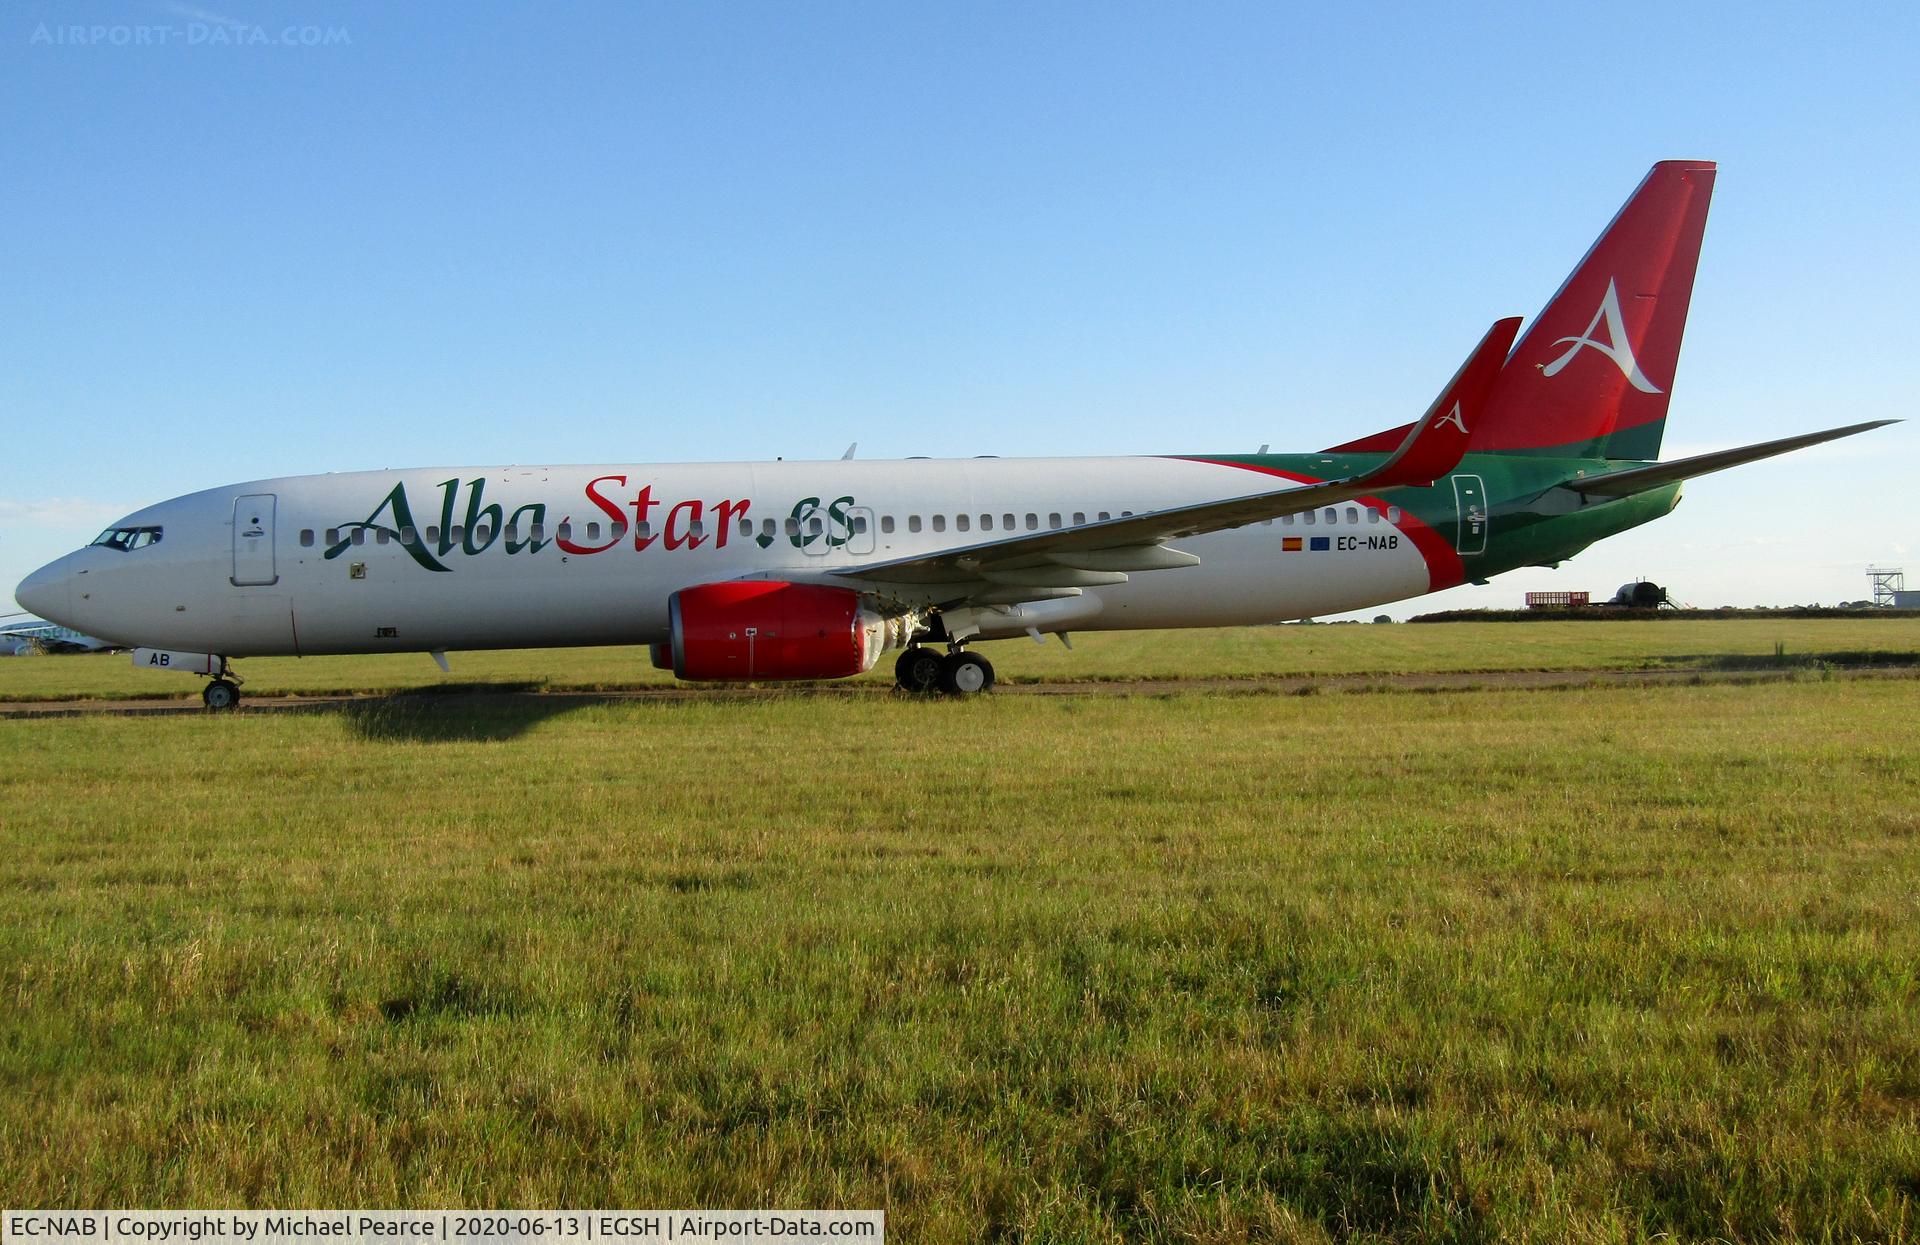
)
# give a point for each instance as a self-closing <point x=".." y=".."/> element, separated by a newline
<point x="415" y="560"/>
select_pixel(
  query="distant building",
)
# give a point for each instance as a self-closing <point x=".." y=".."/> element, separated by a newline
<point x="1906" y="600"/>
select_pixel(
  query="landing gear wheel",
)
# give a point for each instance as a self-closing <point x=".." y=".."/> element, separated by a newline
<point x="918" y="671"/>
<point x="220" y="694"/>
<point x="965" y="674"/>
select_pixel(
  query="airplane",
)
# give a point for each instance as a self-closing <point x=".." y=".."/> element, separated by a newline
<point x="1541" y="444"/>
<point x="36" y="635"/>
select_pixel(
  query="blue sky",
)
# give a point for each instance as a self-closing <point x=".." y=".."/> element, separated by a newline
<point x="265" y="239"/>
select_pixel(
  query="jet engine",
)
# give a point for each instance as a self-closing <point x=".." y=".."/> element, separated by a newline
<point x="769" y="629"/>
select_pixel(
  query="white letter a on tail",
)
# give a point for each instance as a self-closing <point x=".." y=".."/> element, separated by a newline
<point x="1616" y="347"/>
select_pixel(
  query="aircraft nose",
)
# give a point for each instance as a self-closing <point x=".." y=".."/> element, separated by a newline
<point x="45" y="592"/>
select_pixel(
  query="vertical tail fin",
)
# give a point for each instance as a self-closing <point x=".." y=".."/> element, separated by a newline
<point x="1591" y="376"/>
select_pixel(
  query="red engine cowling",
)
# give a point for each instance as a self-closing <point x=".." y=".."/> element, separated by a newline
<point x="761" y="629"/>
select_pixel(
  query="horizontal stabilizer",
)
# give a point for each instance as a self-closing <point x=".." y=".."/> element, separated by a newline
<point x="1640" y="479"/>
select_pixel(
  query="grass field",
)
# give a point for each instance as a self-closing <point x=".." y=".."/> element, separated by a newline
<point x="1248" y="652"/>
<point x="1573" y="965"/>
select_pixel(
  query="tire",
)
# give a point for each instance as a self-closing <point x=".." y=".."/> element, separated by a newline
<point x="918" y="670"/>
<point x="220" y="694"/>
<point x="965" y="674"/>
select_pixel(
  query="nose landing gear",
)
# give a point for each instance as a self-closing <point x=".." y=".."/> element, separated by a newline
<point x="223" y="687"/>
<point x="221" y="693"/>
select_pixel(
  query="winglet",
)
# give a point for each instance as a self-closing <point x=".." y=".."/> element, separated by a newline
<point x="1440" y="439"/>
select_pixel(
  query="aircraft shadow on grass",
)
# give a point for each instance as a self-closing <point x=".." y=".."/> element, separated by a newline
<point x="457" y="713"/>
<point x="1783" y="660"/>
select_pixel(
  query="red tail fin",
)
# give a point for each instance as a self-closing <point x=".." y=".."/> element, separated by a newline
<point x="1592" y="375"/>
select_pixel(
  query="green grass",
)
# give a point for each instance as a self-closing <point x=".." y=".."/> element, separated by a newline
<point x="1575" y="965"/>
<point x="1248" y="652"/>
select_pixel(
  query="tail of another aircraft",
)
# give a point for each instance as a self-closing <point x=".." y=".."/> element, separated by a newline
<point x="1592" y="375"/>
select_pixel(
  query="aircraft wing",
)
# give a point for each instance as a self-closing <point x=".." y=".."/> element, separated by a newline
<point x="1094" y="554"/>
<point x="1640" y="479"/>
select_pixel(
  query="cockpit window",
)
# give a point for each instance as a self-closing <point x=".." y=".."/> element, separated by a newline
<point x="124" y="538"/>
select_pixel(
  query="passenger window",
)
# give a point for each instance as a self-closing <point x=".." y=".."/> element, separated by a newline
<point x="645" y="530"/>
<point x="381" y="535"/>
<point x="793" y="526"/>
<point x="886" y="524"/>
<point x="539" y="533"/>
<point x="1353" y="514"/>
<point x="1333" y="516"/>
<point x="1033" y="523"/>
<point x="859" y="523"/>
<point x="1007" y="522"/>
<point x="408" y="535"/>
<point x="816" y="525"/>
<point x="566" y="531"/>
<point x="1286" y="520"/>
<point x="698" y="529"/>
<point x="333" y="536"/>
<point x="359" y="535"/>
<point x="1105" y="516"/>
<point x="306" y="538"/>
<point x="1053" y="521"/>
<point x="961" y="523"/>
<point x="593" y="532"/>
<point x="1306" y="517"/>
<point x="913" y="523"/>
<point x="1079" y="517"/>
<point x="746" y="528"/>
<point x="986" y="523"/>
<point x="1373" y="516"/>
<point x="768" y="528"/>
<point x="1393" y="514"/>
<point x="939" y="522"/>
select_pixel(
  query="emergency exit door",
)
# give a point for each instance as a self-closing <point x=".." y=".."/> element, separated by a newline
<point x="1470" y="503"/>
<point x="253" y="540"/>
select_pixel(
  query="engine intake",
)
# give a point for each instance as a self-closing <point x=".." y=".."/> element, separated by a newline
<point x="770" y="629"/>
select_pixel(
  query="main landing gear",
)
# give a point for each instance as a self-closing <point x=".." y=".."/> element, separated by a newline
<point x="923" y="671"/>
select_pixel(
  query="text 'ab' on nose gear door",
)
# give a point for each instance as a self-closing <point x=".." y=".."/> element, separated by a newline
<point x="1470" y="503"/>
<point x="253" y="540"/>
